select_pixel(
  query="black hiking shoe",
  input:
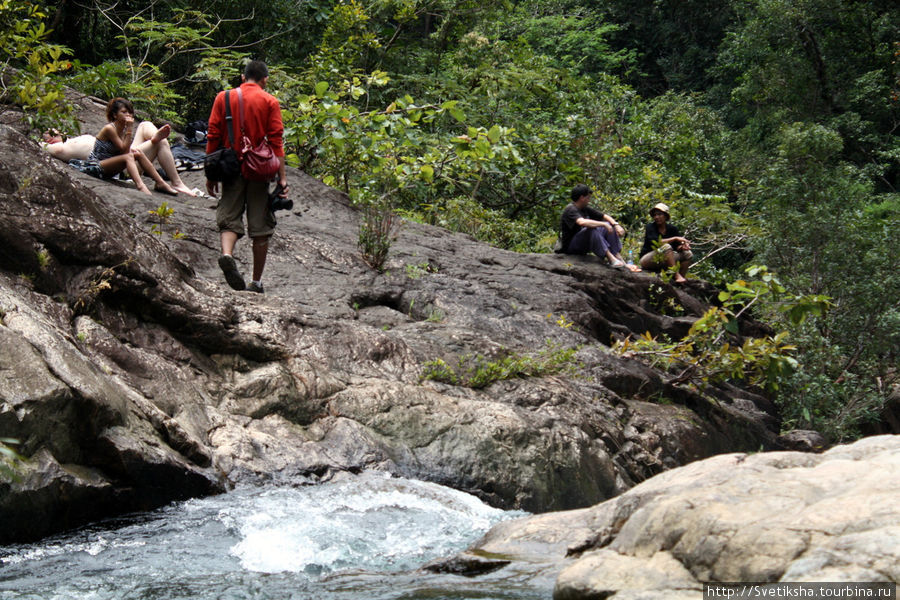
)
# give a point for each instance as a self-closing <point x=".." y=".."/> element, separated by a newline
<point x="256" y="287"/>
<point x="232" y="275"/>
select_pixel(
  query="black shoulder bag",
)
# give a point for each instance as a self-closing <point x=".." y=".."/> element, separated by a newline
<point x="223" y="164"/>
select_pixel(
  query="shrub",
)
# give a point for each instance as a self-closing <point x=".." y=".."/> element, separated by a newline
<point x="476" y="371"/>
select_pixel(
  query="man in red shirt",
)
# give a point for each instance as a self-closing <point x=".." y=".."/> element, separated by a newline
<point x="263" y="120"/>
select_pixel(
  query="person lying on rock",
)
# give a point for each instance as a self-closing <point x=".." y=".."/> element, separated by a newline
<point x="68" y="148"/>
<point x="664" y="247"/>
<point x="146" y="138"/>
<point x="584" y="229"/>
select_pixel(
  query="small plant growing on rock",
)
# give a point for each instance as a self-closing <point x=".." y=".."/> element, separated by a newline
<point x="561" y="320"/>
<point x="435" y="315"/>
<point x="419" y="270"/>
<point x="663" y="301"/>
<point x="378" y="229"/>
<point x="439" y="370"/>
<point x="43" y="258"/>
<point x="8" y="458"/>
<point x="97" y="285"/>
<point x="163" y="213"/>
<point x="475" y="371"/>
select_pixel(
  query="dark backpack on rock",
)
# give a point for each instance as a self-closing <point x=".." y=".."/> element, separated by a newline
<point x="195" y="132"/>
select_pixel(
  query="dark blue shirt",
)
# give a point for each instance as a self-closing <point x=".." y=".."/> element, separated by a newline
<point x="568" y="225"/>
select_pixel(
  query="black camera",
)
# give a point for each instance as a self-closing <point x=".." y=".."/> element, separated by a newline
<point x="276" y="202"/>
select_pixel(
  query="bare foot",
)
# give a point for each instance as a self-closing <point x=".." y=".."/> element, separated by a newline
<point x="165" y="188"/>
<point x="184" y="190"/>
<point x="145" y="190"/>
<point x="680" y="278"/>
<point x="161" y="134"/>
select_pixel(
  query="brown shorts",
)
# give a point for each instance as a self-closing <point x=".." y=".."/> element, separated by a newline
<point x="239" y="196"/>
<point x="655" y="261"/>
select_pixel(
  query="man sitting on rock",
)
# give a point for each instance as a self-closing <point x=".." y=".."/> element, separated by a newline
<point x="584" y="229"/>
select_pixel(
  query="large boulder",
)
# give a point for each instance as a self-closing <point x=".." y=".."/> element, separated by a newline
<point x="762" y="518"/>
<point x="132" y="374"/>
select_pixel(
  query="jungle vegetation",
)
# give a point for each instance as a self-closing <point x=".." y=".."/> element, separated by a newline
<point x="769" y="126"/>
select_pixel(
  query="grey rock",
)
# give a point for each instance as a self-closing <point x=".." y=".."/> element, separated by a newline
<point x="467" y="563"/>
<point x="763" y="518"/>
<point x="802" y="440"/>
<point x="126" y="354"/>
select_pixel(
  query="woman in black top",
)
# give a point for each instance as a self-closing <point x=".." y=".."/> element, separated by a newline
<point x="664" y="246"/>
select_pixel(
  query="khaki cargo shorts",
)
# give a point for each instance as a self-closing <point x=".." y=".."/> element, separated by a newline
<point x="241" y="196"/>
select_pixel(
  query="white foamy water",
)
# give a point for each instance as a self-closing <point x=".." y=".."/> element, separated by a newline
<point x="387" y="524"/>
<point x="360" y="538"/>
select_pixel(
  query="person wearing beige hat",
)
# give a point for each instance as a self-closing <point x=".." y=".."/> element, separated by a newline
<point x="664" y="247"/>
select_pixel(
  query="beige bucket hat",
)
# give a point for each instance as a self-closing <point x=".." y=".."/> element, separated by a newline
<point x="663" y="208"/>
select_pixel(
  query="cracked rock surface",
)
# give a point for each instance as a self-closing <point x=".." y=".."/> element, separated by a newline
<point x="762" y="518"/>
<point x="133" y="375"/>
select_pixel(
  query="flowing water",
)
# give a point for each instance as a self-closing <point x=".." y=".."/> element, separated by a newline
<point x="358" y="539"/>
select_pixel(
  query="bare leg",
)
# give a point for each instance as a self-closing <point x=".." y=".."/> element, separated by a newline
<point x="260" y="251"/>
<point x="167" y="162"/>
<point x="671" y="262"/>
<point x="153" y="143"/>
<point x="648" y="261"/>
<point x="161" y="134"/>
<point x="116" y="164"/>
<point x="227" y="263"/>
<point x="144" y="132"/>
<point x="145" y="163"/>
<point x="228" y="239"/>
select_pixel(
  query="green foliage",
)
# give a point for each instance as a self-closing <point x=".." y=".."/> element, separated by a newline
<point x="8" y="459"/>
<point x="712" y="351"/>
<point x="826" y="396"/>
<point x="439" y="370"/>
<point x="479" y="372"/>
<point x="676" y="42"/>
<point x="146" y="86"/>
<point x="163" y="214"/>
<point x="28" y="65"/>
<point x="828" y="233"/>
<point x="346" y="42"/>
<point x="769" y="128"/>
<point x="817" y="61"/>
<point x="578" y="42"/>
<point x="465" y="215"/>
<point x="43" y="258"/>
<point x="417" y="271"/>
<point x="153" y="53"/>
<point x="663" y="301"/>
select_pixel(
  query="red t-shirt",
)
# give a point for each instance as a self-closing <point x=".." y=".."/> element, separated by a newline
<point x="263" y="120"/>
